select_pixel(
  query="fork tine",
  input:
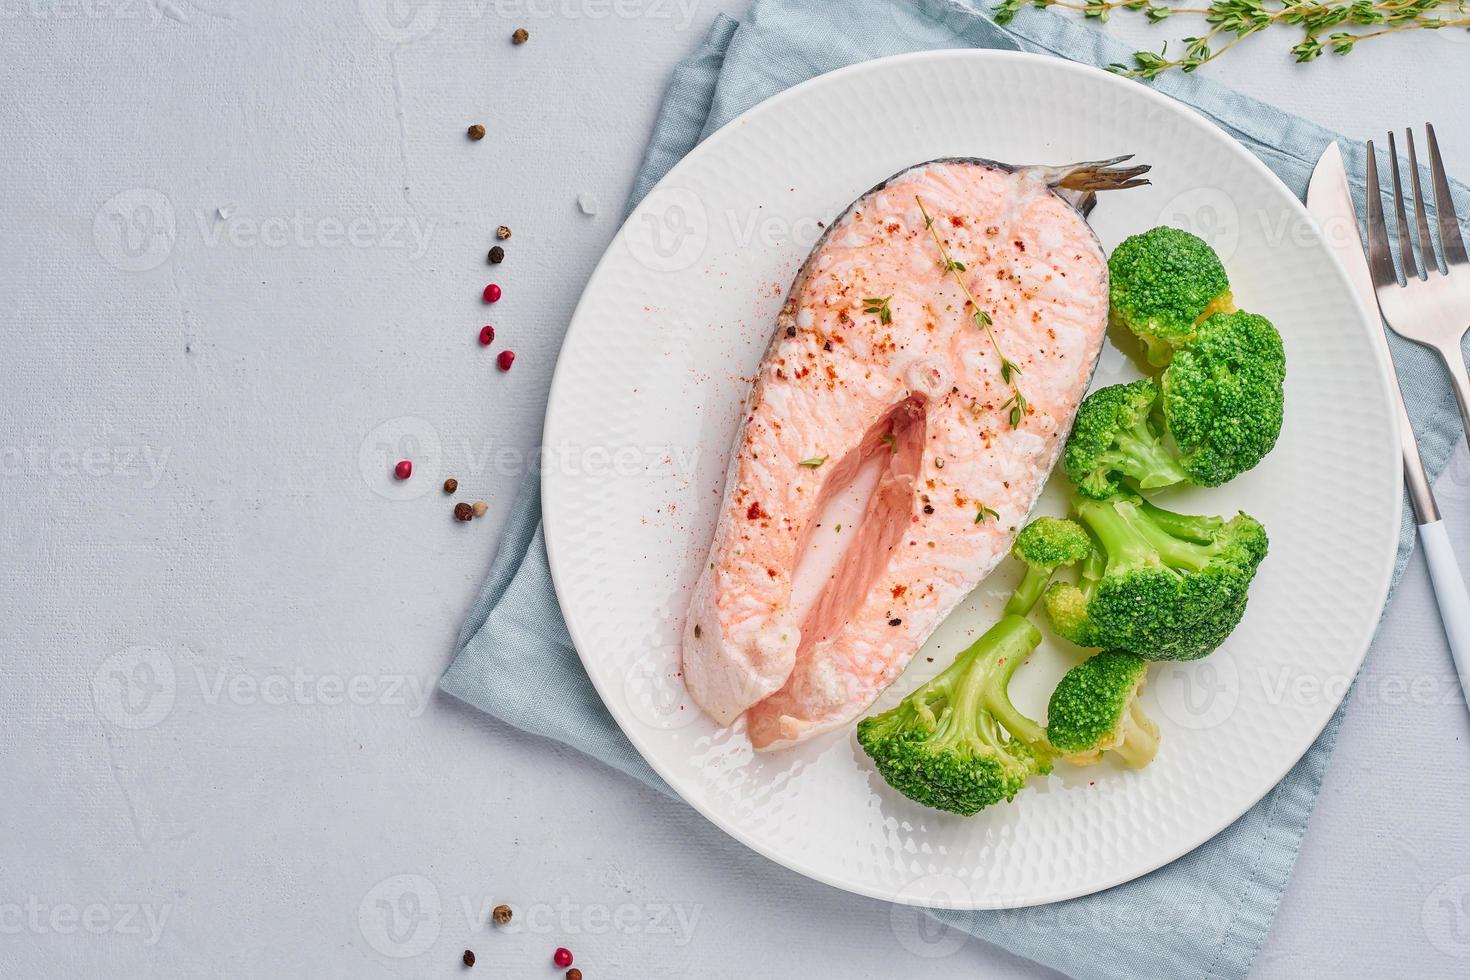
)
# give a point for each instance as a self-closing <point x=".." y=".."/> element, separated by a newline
<point x="1406" y="250"/>
<point x="1444" y="206"/>
<point x="1380" y="261"/>
<point x="1426" y="243"/>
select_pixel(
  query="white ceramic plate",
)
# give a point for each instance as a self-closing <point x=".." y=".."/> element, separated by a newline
<point x="661" y="353"/>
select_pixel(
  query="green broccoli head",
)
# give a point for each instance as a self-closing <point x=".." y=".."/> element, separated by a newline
<point x="1223" y="397"/>
<point x="957" y="743"/>
<point x="1094" y="709"/>
<point x="1164" y="282"/>
<point x="1044" y="545"/>
<point x="1170" y="586"/>
<point x="1114" y="439"/>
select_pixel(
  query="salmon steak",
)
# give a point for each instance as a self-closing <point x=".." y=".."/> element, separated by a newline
<point x="923" y="376"/>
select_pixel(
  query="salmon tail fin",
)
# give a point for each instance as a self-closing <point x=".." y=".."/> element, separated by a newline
<point x="1099" y="175"/>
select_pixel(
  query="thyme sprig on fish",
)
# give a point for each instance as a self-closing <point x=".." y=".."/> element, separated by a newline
<point x="1232" y="21"/>
<point x="1008" y="368"/>
<point x="878" y="305"/>
<point x="813" y="463"/>
<point x="984" y="513"/>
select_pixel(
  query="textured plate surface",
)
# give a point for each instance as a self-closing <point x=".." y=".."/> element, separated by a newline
<point x="661" y="354"/>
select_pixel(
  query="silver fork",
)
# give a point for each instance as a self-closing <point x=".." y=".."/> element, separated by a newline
<point x="1432" y="305"/>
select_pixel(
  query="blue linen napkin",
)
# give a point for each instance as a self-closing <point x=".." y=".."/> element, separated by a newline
<point x="514" y="650"/>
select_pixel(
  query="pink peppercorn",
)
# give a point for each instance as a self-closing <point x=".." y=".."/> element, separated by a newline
<point x="487" y="336"/>
<point x="562" y="956"/>
<point x="403" y="470"/>
<point x="505" y="360"/>
<point x="492" y="293"/>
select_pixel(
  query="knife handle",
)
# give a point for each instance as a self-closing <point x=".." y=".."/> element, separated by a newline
<point x="1450" y="593"/>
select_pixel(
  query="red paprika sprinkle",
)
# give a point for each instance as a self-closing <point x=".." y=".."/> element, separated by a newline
<point x="505" y="360"/>
<point x="487" y="335"/>
<point x="492" y="293"/>
<point x="403" y="470"/>
<point x="562" y="957"/>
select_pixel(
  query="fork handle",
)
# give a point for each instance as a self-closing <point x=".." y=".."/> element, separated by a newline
<point x="1450" y="593"/>
<point x="1454" y="361"/>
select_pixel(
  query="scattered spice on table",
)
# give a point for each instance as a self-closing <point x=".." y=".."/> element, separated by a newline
<point x="501" y="914"/>
<point x="451" y="485"/>
<point x="477" y="132"/>
<point x="492" y="293"/>
<point x="520" y="36"/>
<point x="505" y="360"/>
<point x="469" y="957"/>
<point x="562" y="956"/>
<point x="487" y="335"/>
<point x="403" y="470"/>
<point x="463" y="512"/>
<point x="503" y="232"/>
<point x="479" y="507"/>
<point x="497" y="255"/>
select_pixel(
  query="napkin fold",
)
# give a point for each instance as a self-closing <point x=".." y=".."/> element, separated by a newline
<point x="1207" y="913"/>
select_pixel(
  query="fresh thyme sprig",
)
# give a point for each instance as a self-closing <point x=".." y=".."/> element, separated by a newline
<point x="1008" y="368"/>
<point x="879" y="305"/>
<point x="1232" y="21"/>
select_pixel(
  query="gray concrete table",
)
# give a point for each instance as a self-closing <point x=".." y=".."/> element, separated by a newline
<point x="244" y="249"/>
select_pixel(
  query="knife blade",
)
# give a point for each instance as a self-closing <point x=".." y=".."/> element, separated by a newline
<point x="1330" y="201"/>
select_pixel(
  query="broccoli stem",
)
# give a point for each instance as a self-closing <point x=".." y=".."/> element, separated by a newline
<point x="1146" y="459"/>
<point x="1134" y="532"/>
<point x="1189" y="527"/>
<point x="1122" y="541"/>
<point x="988" y="665"/>
<point x="1033" y="584"/>
<point x="1139" y="737"/>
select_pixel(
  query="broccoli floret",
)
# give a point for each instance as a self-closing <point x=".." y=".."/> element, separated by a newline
<point x="957" y="743"/>
<point x="1113" y="438"/>
<point x="1095" y="709"/>
<point x="1223" y="397"/>
<point x="1164" y="283"/>
<point x="1168" y="587"/>
<point x="1044" y="545"/>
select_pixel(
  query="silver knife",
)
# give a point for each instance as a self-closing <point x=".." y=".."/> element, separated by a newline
<point x="1330" y="200"/>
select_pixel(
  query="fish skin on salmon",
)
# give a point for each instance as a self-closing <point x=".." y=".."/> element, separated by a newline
<point x="879" y="370"/>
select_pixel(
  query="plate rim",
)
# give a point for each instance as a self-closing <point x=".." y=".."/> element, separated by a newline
<point x="839" y="76"/>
